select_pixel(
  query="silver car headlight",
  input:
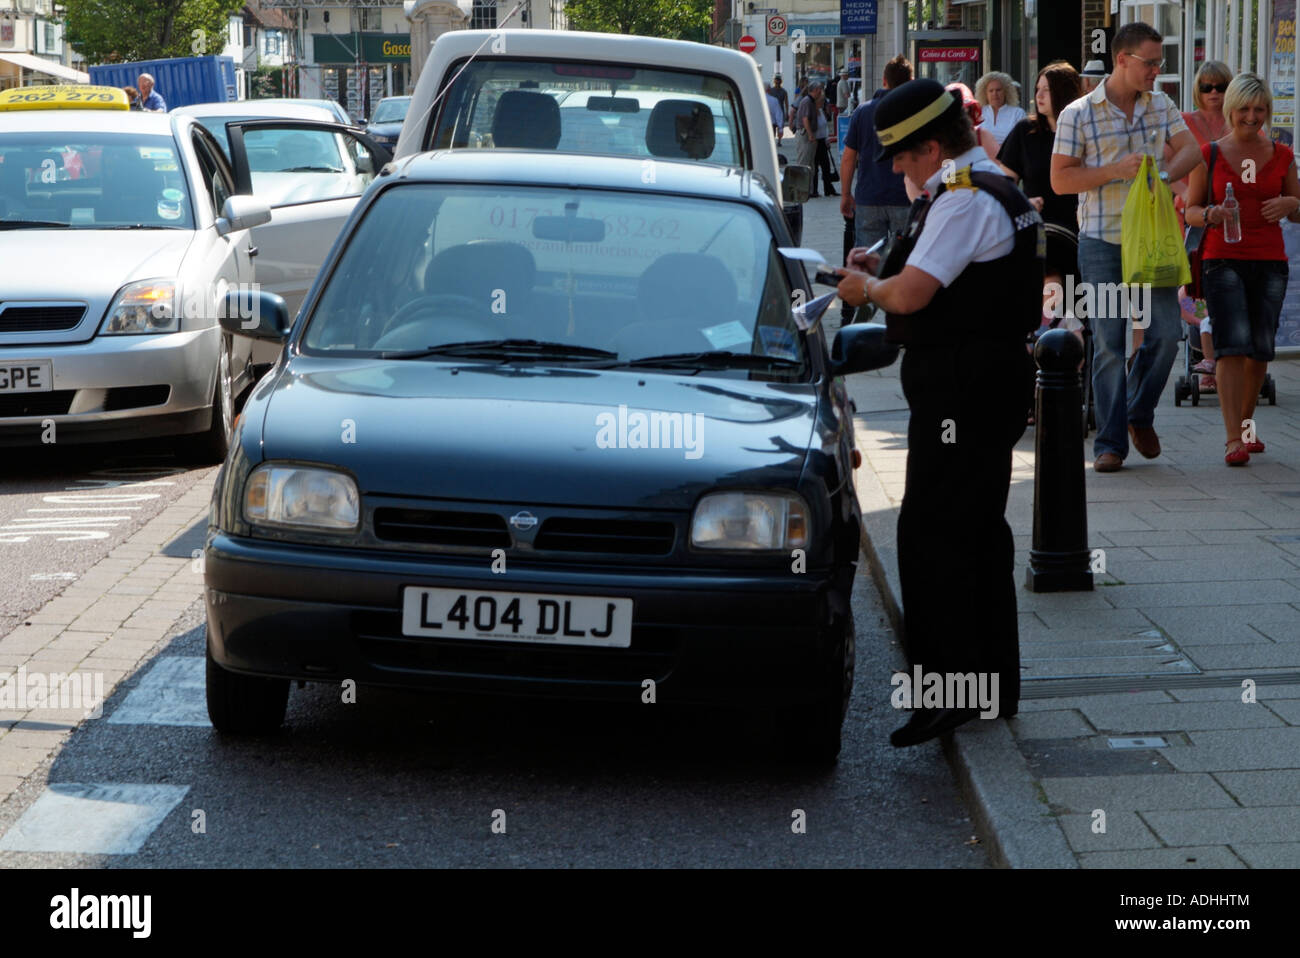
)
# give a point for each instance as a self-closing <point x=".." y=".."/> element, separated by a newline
<point x="755" y="521"/>
<point x="302" y="497"/>
<point x="151" y="306"/>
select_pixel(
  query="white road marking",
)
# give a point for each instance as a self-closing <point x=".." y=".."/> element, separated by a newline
<point x="83" y="498"/>
<point x="172" y="692"/>
<point x="51" y="576"/>
<point x="92" y="819"/>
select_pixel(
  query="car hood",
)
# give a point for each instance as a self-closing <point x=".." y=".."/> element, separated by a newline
<point x="532" y="434"/>
<point x="86" y="264"/>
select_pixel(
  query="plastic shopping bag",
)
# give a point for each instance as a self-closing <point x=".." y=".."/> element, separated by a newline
<point x="1152" y="243"/>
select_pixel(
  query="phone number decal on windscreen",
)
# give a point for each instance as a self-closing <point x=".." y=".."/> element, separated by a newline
<point x="622" y="227"/>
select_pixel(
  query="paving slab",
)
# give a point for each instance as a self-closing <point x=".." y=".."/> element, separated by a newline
<point x="1136" y="793"/>
<point x="1206" y="856"/>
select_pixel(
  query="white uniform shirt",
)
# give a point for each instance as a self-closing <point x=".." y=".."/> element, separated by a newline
<point x="963" y="225"/>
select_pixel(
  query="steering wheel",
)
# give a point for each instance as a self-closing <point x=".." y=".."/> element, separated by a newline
<point x="445" y="306"/>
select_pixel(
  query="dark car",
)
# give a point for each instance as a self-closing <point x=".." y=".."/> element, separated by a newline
<point x="386" y="124"/>
<point x="545" y="424"/>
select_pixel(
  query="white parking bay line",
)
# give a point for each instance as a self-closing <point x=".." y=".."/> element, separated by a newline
<point x="92" y="819"/>
<point x="172" y="692"/>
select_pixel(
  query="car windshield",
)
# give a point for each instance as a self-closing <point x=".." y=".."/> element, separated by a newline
<point x="635" y="275"/>
<point x="391" y="111"/>
<point x="592" y="108"/>
<point x="84" y="180"/>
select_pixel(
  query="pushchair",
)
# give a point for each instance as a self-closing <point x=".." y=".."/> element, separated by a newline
<point x="1188" y="385"/>
<point x="1063" y="251"/>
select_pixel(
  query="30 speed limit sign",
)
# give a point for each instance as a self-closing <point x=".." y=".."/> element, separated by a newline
<point x="777" y="31"/>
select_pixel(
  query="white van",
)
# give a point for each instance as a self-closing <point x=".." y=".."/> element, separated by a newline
<point x="598" y="93"/>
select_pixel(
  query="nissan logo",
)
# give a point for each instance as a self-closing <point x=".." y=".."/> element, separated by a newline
<point x="523" y="520"/>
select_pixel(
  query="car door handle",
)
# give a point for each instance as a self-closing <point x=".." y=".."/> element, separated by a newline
<point x="252" y="250"/>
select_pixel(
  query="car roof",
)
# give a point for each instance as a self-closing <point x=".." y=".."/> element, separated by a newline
<point x="272" y="109"/>
<point x="90" y="121"/>
<point x="611" y="47"/>
<point x="528" y="168"/>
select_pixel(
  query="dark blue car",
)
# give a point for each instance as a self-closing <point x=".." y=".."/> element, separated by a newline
<point x="545" y="425"/>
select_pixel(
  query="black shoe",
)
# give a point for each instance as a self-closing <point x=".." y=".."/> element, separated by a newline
<point x="926" y="724"/>
<point x="813" y="196"/>
<point x="830" y="192"/>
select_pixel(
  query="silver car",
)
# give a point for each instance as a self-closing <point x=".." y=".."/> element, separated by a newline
<point x="120" y="234"/>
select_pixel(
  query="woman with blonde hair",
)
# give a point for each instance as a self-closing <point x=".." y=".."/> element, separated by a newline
<point x="1244" y="270"/>
<point x="997" y="95"/>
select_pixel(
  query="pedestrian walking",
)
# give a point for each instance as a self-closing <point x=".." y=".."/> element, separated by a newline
<point x="878" y="201"/>
<point x="776" y="113"/>
<point x="999" y="98"/>
<point x="962" y="302"/>
<point x="781" y="94"/>
<point x="842" y="91"/>
<point x="1244" y="264"/>
<point x="812" y="130"/>
<point x="1100" y="141"/>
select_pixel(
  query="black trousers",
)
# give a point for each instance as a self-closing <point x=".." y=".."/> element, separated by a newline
<point x="850" y="237"/>
<point x="822" y="161"/>
<point x="955" y="551"/>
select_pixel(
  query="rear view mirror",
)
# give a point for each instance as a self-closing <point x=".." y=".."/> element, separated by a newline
<point x="256" y="314"/>
<point x="861" y="348"/>
<point x="365" y="164"/>
<point x="614" y="104"/>
<point x="569" y="229"/>
<point x="242" y="213"/>
<point x="796" y="183"/>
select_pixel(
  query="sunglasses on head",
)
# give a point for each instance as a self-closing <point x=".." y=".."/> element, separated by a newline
<point x="1215" y="87"/>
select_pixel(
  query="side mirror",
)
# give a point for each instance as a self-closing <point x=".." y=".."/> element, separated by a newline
<point x="796" y="183"/>
<point x="861" y="348"/>
<point x="365" y="164"/>
<point x="256" y="314"/>
<point x="242" y="213"/>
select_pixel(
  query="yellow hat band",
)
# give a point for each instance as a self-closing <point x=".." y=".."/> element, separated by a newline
<point x="899" y="131"/>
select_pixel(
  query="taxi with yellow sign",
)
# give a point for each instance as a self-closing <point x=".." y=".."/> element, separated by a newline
<point x="120" y="233"/>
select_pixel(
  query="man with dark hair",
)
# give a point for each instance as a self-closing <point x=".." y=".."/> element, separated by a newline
<point x="783" y="98"/>
<point x="811" y="130"/>
<point x="1100" y="141"/>
<point x="878" y="202"/>
<point x="961" y="290"/>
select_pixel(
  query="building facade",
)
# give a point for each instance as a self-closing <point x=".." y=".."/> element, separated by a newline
<point x="32" y="50"/>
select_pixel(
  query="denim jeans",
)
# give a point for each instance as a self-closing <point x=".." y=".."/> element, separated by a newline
<point x="1118" y="403"/>
<point x="1246" y="295"/>
<point x="873" y="222"/>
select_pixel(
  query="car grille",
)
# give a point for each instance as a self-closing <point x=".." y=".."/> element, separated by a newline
<point x="442" y="528"/>
<point x="131" y="397"/>
<point x="54" y="403"/>
<point x="39" y="319"/>
<point x="379" y="635"/>
<point x="619" y="536"/>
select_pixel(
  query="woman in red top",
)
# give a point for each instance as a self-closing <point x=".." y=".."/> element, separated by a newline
<point x="1244" y="281"/>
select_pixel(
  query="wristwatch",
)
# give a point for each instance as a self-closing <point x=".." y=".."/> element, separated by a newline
<point x="1164" y="176"/>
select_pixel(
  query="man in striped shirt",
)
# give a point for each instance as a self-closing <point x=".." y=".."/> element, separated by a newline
<point x="1100" y="141"/>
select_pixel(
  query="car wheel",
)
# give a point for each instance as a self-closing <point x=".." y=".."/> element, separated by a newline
<point x="211" y="446"/>
<point x="811" y="732"/>
<point x="244" y="704"/>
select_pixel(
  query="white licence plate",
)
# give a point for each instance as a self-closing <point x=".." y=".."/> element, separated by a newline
<point x="517" y="617"/>
<point x="26" y="376"/>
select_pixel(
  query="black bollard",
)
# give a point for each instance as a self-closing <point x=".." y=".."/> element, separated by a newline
<point x="1059" y="560"/>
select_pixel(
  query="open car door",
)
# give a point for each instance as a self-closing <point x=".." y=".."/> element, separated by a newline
<point x="310" y="174"/>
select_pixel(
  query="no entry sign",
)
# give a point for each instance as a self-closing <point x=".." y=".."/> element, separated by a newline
<point x="748" y="44"/>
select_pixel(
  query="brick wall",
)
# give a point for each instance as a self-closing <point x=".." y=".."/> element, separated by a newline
<point x="1094" y="18"/>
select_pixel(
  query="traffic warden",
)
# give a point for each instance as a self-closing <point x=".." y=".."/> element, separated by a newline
<point x="961" y="289"/>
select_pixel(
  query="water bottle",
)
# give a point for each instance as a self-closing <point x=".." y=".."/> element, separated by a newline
<point x="1231" y="218"/>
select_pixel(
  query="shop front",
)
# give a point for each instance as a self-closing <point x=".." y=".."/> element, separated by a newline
<point x="360" y="69"/>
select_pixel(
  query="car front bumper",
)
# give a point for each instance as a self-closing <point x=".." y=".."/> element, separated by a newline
<point x="115" y="387"/>
<point x="302" y="612"/>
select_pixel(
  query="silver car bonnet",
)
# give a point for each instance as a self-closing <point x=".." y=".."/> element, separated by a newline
<point x="81" y="266"/>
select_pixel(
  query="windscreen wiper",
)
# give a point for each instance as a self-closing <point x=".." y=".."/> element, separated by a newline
<point x="312" y="169"/>
<point x="32" y="225"/>
<point x="497" y="348"/>
<point x="715" y="359"/>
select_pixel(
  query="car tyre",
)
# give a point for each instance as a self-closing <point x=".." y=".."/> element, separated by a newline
<point x="211" y="446"/>
<point x="811" y="732"/>
<point x="244" y="704"/>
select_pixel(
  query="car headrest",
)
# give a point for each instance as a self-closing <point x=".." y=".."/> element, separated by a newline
<point x="687" y="285"/>
<point x="526" y="120"/>
<point x="480" y="268"/>
<point x="680" y="129"/>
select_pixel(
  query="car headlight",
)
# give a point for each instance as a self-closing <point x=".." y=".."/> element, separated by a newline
<point x="151" y="306"/>
<point x="301" y="497"/>
<point x="750" y="520"/>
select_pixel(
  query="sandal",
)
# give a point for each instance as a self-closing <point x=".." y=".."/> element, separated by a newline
<point x="1236" y="457"/>
<point x="1204" y="366"/>
<point x="1207" y="384"/>
<point x="1255" y="446"/>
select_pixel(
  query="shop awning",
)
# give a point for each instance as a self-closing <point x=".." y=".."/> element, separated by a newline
<point x="49" y="67"/>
